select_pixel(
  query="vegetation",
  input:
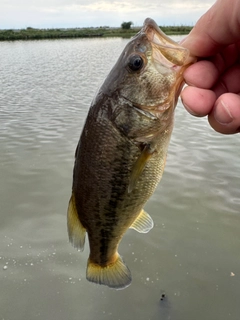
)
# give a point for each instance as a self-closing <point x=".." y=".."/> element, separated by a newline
<point x="126" y="25"/>
<point x="37" y="34"/>
<point x="171" y="30"/>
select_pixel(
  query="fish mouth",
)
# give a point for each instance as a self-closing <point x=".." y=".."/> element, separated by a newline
<point x="174" y="54"/>
<point x="167" y="55"/>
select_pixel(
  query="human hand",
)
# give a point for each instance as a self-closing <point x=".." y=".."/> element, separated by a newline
<point x="214" y="81"/>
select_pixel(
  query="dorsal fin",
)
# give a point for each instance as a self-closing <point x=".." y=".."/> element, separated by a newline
<point x="76" y="231"/>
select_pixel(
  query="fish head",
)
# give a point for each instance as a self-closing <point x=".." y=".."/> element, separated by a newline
<point x="149" y="71"/>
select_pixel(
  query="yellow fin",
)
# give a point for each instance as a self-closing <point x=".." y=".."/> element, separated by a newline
<point x="76" y="231"/>
<point x="139" y="166"/>
<point x="115" y="275"/>
<point x="143" y="223"/>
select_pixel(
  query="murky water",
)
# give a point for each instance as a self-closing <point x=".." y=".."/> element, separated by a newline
<point x="193" y="253"/>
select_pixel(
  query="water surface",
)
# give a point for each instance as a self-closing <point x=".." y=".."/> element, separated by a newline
<point x="191" y="255"/>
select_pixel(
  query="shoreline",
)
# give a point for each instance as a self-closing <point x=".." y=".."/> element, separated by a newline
<point x="101" y="32"/>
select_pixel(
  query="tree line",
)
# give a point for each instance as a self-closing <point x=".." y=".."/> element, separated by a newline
<point x="126" y="30"/>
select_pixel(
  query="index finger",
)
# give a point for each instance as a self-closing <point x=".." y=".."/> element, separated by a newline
<point x="218" y="27"/>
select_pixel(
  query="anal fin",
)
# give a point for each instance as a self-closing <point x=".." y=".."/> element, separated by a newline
<point x="115" y="275"/>
<point x="76" y="231"/>
<point x="143" y="223"/>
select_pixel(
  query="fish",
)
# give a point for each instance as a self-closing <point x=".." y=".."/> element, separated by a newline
<point x="121" y="153"/>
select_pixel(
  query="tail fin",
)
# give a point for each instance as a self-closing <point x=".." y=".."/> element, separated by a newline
<point x="115" y="275"/>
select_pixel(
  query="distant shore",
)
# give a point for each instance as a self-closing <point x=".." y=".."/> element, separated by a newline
<point x="38" y="34"/>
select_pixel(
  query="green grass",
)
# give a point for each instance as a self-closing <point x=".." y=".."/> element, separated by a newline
<point x="37" y="34"/>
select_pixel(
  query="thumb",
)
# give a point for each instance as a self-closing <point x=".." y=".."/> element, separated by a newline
<point x="225" y="116"/>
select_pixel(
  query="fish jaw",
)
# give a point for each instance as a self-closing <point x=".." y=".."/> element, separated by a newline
<point x="170" y="58"/>
<point x="174" y="53"/>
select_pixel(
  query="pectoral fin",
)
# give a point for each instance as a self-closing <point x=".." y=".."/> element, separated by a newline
<point x="143" y="223"/>
<point x="76" y="231"/>
<point x="139" y="166"/>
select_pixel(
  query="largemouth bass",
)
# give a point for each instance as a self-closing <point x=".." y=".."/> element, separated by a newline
<point x="122" y="150"/>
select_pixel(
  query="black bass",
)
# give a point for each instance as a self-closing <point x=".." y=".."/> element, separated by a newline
<point x="122" y="150"/>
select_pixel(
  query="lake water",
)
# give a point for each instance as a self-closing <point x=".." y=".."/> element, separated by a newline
<point x="192" y="255"/>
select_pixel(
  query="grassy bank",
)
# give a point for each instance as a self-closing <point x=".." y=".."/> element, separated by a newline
<point x="37" y="34"/>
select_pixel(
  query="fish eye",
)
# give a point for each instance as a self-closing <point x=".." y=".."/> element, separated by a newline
<point x="135" y="63"/>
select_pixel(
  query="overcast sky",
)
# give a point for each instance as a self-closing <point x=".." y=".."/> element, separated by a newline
<point x="86" y="13"/>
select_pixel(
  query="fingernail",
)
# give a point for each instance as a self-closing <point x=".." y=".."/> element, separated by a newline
<point x="222" y="114"/>
<point x="189" y="109"/>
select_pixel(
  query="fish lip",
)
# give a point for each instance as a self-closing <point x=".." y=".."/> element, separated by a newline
<point x="150" y="24"/>
<point x="154" y="33"/>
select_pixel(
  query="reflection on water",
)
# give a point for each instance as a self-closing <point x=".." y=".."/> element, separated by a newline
<point x="191" y="255"/>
